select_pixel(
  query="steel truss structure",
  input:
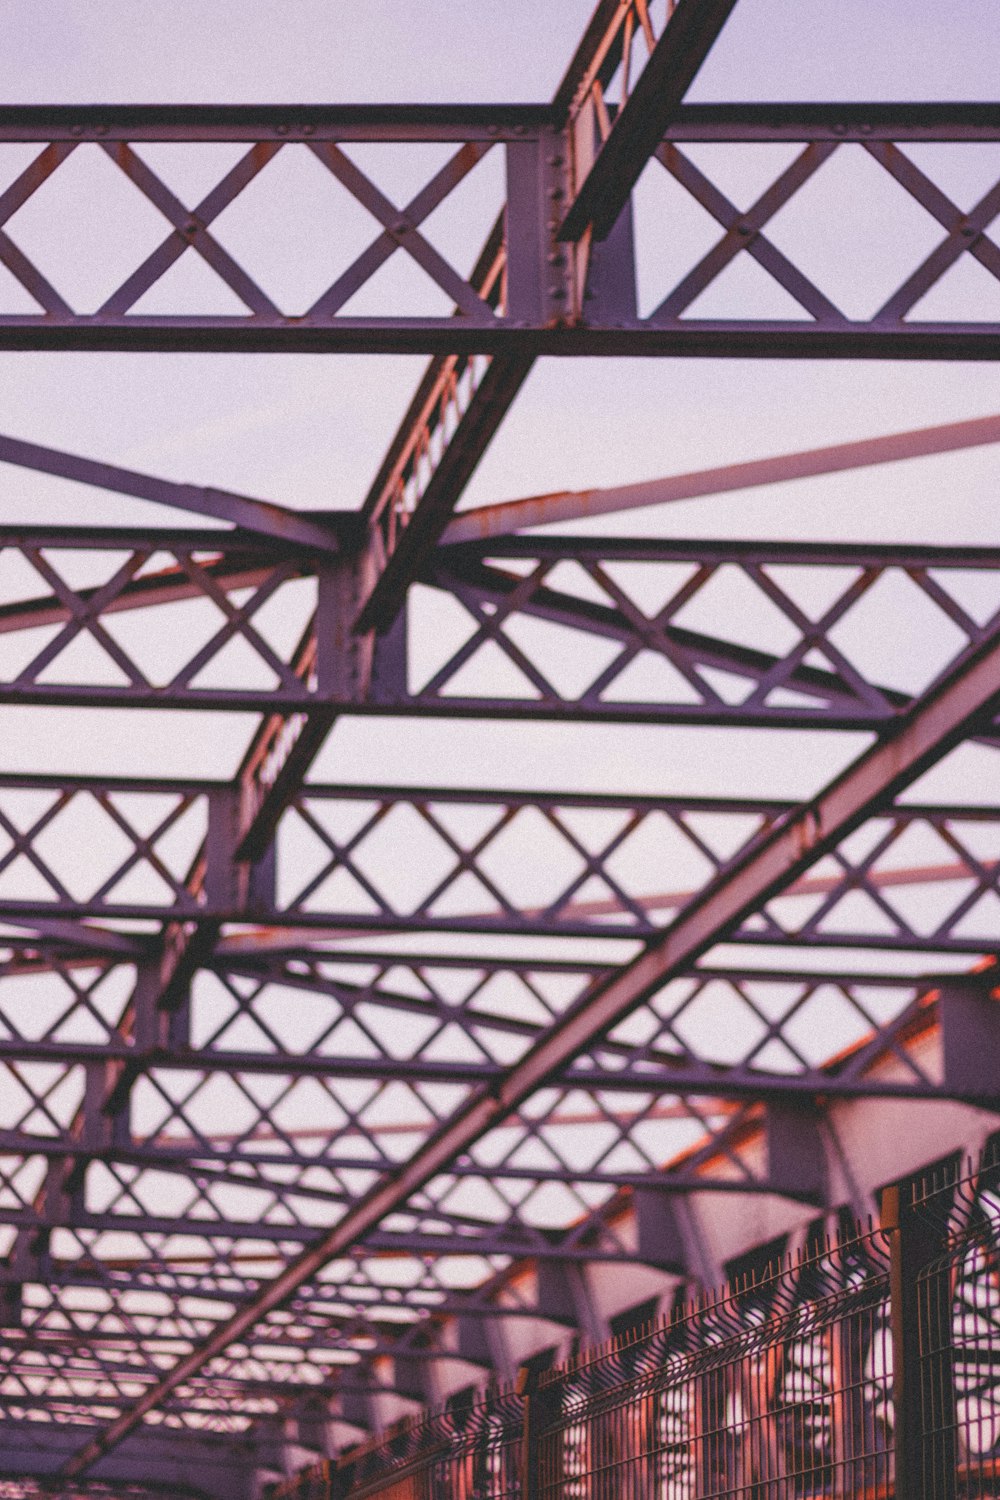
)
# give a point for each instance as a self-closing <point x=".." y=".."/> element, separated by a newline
<point x="312" y="1092"/>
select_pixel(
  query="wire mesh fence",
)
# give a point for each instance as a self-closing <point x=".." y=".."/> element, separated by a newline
<point x="867" y="1366"/>
<point x="779" y="1388"/>
<point x="469" y="1452"/>
<point x="958" y="1316"/>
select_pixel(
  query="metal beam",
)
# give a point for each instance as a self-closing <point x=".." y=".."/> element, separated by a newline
<point x="509" y="516"/>
<point x="838" y="695"/>
<point x="561" y="313"/>
<point x="688" y="338"/>
<point x="208" y="1160"/>
<point x="331" y="670"/>
<point x="682" y="1076"/>
<point x="933" y="727"/>
<point x="171" y="1464"/>
<point x="489" y="405"/>
<point x="970" y="1034"/>
<point x="685" y="42"/>
<point x="854" y="119"/>
<point x="623" y="911"/>
<point x="258" y="516"/>
<point x="277" y="122"/>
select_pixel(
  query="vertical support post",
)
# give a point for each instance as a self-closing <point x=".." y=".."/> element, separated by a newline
<point x="660" y="1239"/>
<point x="796" y="1158"/>
<point x="343" y="657"/>
<point x="923" y="1385"/>
<point x="390" y="663"/>
<point x="969" y="1018"/>
<point x="526" y="1386"/>
<point x="225" y="877"/>
<point x="233" y="881"/>
<point x="104" y="1121"/>
<point x="539" y="286"/>
<point x="341" y="1478"/>
<point x="533" y="1476"/>
<point x="863" y="1472"/>
<point x="609" y="274"/>
<point x="524" y="235"/>
<point x="11" y="1304"/>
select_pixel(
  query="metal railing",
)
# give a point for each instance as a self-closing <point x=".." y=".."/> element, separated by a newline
<point x="958" y="1322"/>
<point x="779" y="1386"/>
<point x="867" y="1366"/>
<point x="469" y="1452"/>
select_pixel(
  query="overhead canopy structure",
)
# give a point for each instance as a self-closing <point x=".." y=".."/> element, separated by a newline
<point x="322" y="1097"/>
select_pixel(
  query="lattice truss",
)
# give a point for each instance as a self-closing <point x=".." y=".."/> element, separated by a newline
<point x="306" y="1089"/>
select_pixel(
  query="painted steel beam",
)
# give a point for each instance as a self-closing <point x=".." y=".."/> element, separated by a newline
<point x="207" y="1162"/>
<point x="653" y="1066"/>
<point x="943" y="120"/>
<point x="661" y="1073"/>
<point x="932" y="728"/>
<point x="685" y="42"/>
<point x="626" y="911"/>
<point x="168" y="586"/>
<point x="509" y="516"/>
<point x="597" y="55"/>
<point x="958" y="341"/>
<point x="258" y="516"/>
<point x="54" y="940"/>
<point x="855" y="120"/>
<point x="543" y="317"/>
<point x="493" y="398"/>
<point x="506" y="1238"/>
<point x="332" y="670"/>
<point x="181" y="1464"/>
<point x="837" y="694"/>
<point x="277" y="122"/>
<point x="451" y="419"/>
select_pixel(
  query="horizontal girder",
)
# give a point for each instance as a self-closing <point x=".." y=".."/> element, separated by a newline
<point x="613" y="866"/>
<point x="515" y="611"/>
<point x="547" y="308"/>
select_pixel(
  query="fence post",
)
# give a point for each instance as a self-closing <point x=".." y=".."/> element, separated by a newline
<point x="923" y="1389"/>
<point x="536" y="1404"/>
<point x="340" y="1479"/>
<point x="527" y="1388"/>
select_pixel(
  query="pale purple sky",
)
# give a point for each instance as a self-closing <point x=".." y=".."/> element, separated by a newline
<point x="380" y="50"/>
